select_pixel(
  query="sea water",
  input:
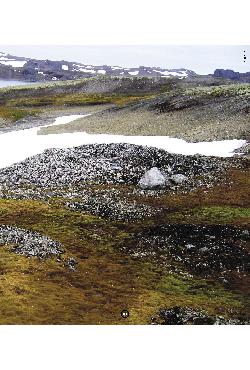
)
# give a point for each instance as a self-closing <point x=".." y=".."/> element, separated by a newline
<point x="6" y="83"/>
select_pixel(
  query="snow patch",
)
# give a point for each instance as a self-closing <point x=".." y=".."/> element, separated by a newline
<point x="28" y="142"/>
<point x="168" y="73"/>
<point x="134" y="73"/>
<point x="14" y="63"/>
<point x="87" y="70"/>
<point x="65" y="67"/>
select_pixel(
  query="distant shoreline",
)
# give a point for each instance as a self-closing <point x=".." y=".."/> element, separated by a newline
<point x="9" y="83"/>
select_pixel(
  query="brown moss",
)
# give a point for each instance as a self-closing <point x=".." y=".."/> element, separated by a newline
<point x="105" y="282"/>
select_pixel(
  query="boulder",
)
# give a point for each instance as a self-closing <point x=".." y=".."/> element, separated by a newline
<point x="152" y="179"/>
<point x="179" y="178"/>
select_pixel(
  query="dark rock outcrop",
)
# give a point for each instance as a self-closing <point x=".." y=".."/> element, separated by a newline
<point x="232" y="75"/>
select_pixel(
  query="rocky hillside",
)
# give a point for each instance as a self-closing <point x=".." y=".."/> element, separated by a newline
<point x="194" y="114"/>
<point x="27" y="69"/>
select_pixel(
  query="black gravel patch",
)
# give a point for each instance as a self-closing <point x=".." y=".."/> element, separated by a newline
<point x="189" y="316"/>
<point x="203" y="250"/>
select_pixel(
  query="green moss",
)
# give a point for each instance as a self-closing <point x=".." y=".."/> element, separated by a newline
<point x="46" y="292"/>
<point x="79" y="99"/>
<point x="214" y="215"/>
<point x="176" y="290"/>
<point x="14" y="114"/>
<point x="223" y="90"/>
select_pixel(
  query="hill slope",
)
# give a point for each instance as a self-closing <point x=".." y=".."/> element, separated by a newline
<point x="27" y="69"/>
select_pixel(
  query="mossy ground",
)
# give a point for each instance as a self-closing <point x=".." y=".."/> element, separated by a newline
<point x="20" y="102"/>
<point x="34" y="291"/>
<point x="14" y="114"/>
<point x="79" y="99"/>
<point x="15" y="109"/>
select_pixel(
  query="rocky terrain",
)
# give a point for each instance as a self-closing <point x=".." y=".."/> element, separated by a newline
<point x="188" y="316"/>
<point x="193" y="114"/>
<point x="110" y="164"/>
<point x="28" y="243"/>
<point x="94" y="207"/>
<point x="33" y="70"/>
<point x="232" y="75"/>
<point x="89" y="231"/>
<point x="202" y="250"/>
<point x="125" y="198"/>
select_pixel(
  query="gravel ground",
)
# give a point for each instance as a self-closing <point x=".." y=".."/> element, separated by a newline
<point x="194" y="124"/>
<point x="29" y="243"/>
<point x="110" y="164"/>
<point x="70" y="173"/>
<point x="111" y="204"/>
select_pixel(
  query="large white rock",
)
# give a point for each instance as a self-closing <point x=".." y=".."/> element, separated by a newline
<point x="152" y="179"/>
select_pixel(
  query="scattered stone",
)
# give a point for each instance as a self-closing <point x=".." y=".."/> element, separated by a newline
<point x="71" y="263"/>
<point x="110" y="204"/>
<point x="179" y="178"/>
<point x="152" y="179"/>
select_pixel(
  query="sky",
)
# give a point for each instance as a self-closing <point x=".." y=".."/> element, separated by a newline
<point x="128" y="22"/>
<point x="202" y="59"/>
<point x="139" y="28"/>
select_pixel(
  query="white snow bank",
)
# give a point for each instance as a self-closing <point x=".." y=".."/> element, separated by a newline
<point x="14" y="63"/>
<point x="65" y="67"/>
<point x="16" y="146"/>
<point x="66" y="119"/>
<point x="168" y="73"/>
<point x="86" y="70"/>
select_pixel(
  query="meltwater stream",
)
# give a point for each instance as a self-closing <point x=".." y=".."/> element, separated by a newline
<point x="16" y="146"/>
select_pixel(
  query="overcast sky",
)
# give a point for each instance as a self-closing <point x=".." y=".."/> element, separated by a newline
<point x="201" y="59"/>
